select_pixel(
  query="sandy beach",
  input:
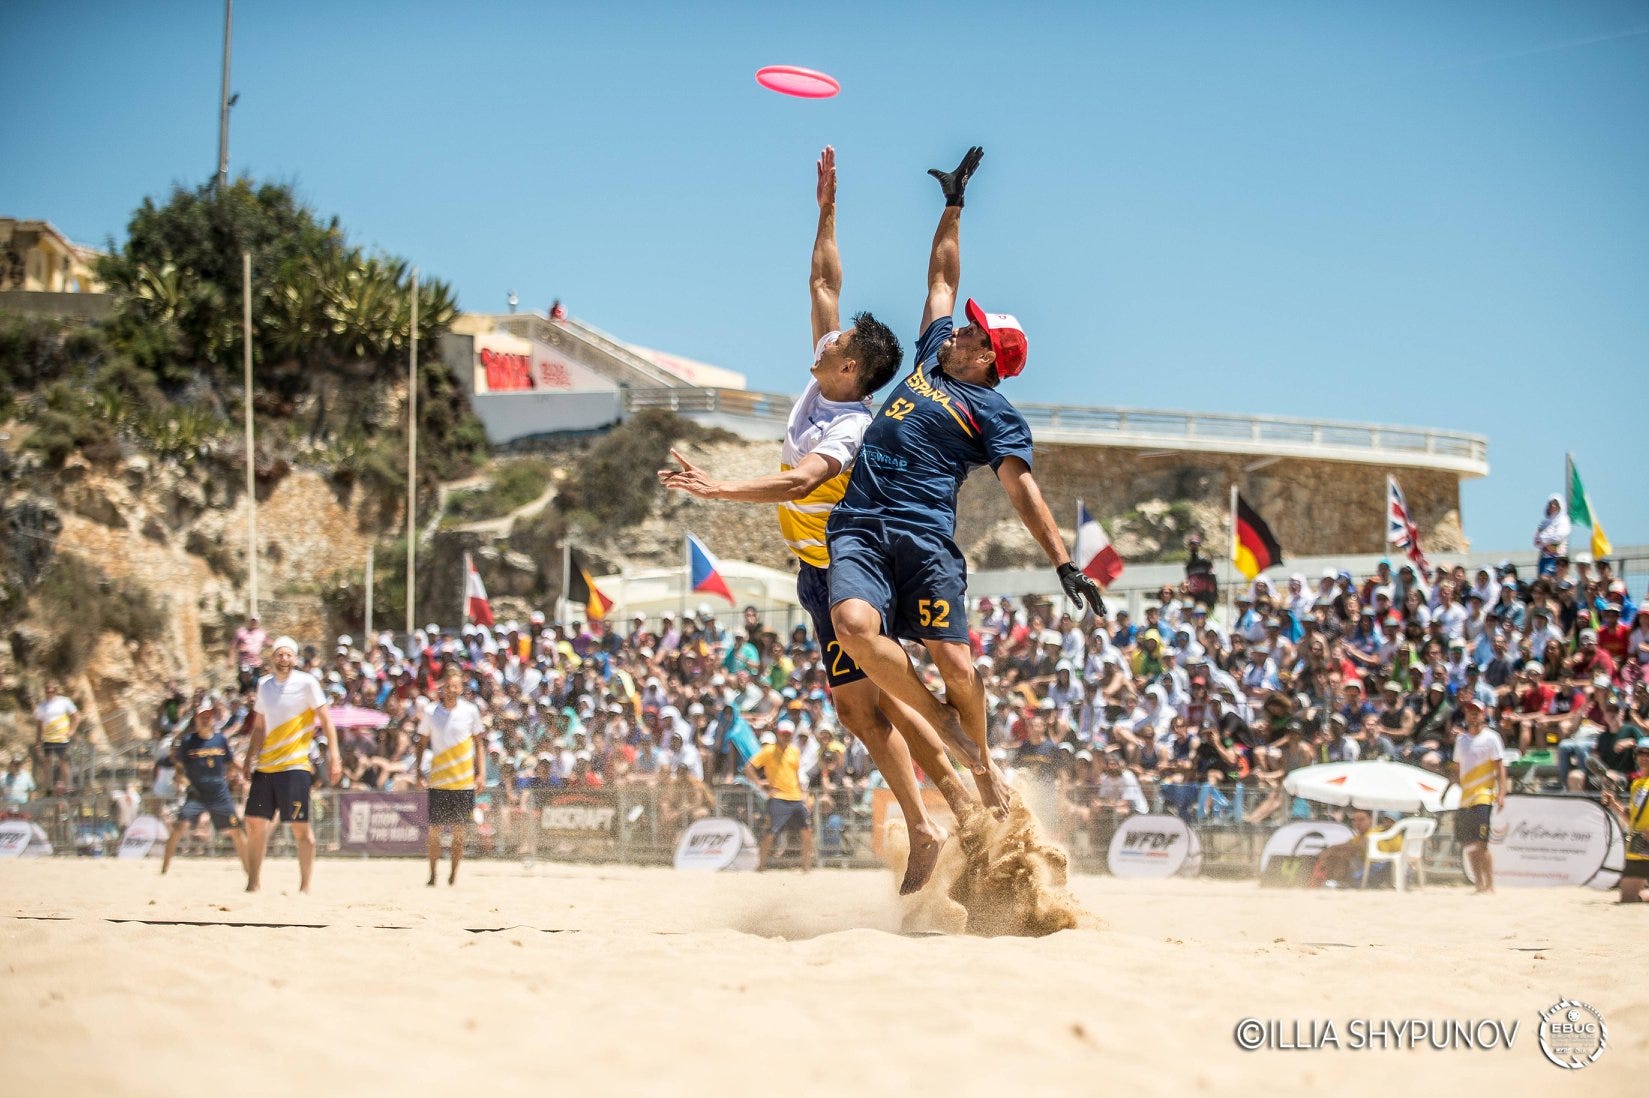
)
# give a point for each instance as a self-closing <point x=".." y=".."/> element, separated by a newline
<point x="621" y="980"/>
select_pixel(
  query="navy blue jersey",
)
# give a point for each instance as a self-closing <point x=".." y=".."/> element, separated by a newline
<point x="932" y="432"/>
<point x="207" y="761"/>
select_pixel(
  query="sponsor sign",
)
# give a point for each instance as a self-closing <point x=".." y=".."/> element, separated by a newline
<point x="585" y="813"/>
<point x="142" y="836"/>
<point x="1304" y="839"/>
<point x="23" y="839"/>
<point x="505" y="363"/>
<point x="715" y="844"/>
<point x="384" y="823"/>
<point x="1549" y="842"/>
<point x="1154" y="846"/>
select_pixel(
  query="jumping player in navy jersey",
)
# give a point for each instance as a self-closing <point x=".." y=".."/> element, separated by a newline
<point x="895" y="570"/>
<point x="821" y="444"/>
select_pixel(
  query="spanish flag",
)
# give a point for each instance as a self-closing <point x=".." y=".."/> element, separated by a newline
<point x="1253" y="547"/>
<point x="581" y="588"/>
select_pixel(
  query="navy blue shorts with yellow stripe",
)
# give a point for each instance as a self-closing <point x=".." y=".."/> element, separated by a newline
<point x="916" y="578"/>
<point x="216" y="802"/>
<point x="284" y="795"/>
<point x="813" y="589"/>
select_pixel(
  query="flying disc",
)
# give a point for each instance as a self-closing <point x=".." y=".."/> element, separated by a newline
<point x="802" y="83"/>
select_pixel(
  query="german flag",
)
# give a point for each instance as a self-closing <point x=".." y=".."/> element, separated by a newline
<point x="582" y="591"/>
<point x="1253" y="547"/>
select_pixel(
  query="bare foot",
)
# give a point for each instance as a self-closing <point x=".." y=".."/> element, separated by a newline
<point x="251" y="888"/>
<point x="451" y="880"/>
<point x="431" y="882"/>
<point x="925" y="844"/>
<point x="993" y="789"/>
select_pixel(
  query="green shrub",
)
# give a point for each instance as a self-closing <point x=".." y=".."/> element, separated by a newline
<point x="514" y="484"/>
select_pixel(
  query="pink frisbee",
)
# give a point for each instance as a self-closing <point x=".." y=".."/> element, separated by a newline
<point x="802" y="83"/>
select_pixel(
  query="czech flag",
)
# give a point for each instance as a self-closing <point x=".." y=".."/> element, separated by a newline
<point x="706" y="570"/>
<point x="1095" y="554"/>
<point x="476" y="606"/>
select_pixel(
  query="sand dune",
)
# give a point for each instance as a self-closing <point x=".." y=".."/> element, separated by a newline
<point x="618" y="980"/>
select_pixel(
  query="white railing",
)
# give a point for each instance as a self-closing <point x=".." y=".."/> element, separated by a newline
<point x="1332" y="439"/>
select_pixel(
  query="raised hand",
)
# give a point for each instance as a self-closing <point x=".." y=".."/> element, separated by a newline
<point x="827" y="177"/>
<point x="956" y="182"/>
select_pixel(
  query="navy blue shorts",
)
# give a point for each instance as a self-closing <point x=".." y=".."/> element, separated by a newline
<point x="54" y="750"/>
<point x="1471" y="825"/>
<point x="218" y="803"/>
<point x="284" y="795"/>
<point x="813" y="588"/>
<point x="917" y="579"/>
<point x="785" y="815"/>
<point x="451" y="807"/>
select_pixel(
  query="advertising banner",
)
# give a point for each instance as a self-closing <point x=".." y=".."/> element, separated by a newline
<point x="1154" y="846"/>
<point x="384" y="823"/>
<point x="582" y="814"/>
<point x="1303" y="839"/>
<point x="715" y="844"/>
<point x="1549" y="842"/>
<point x="142" y="836"/>
<point x="23" y="839"/>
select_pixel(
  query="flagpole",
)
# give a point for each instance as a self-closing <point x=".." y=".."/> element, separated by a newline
<point x="1231" y="562"/>
<point x="1385" y="525"/>
<point x="686" y="574"/>
<point x="464" y="617"/>
<point x="566" y="583"/>
<point x="246" y="352"/>
<point x="1080" y="609"/>
<point x="371" y="552"/>
<point x="412" y="466"/>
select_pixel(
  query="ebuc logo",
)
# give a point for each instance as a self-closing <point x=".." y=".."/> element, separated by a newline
<point x="1572" y="1034"/>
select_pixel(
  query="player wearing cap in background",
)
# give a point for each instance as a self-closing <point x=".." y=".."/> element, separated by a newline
<point x="895" y="568"/>
<point x="776" y="771"/>
<point x="206" y="759"/>
<point x="1480" y="768"/>
<point x="1634" y="820"/>
<point x="56" y="719"/>
<point x="821" y="444"/>
<point x="289" y="703"/>
<point x="452" y="731"/>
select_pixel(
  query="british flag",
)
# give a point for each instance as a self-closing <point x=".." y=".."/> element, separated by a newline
<point x="1400" y="529"/>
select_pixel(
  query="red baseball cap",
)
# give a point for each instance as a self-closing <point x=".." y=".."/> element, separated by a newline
<point x="1006" y="336"/>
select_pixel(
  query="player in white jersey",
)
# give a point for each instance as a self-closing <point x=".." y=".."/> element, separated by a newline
<point x="1480" y="768"/>
<point x="56" y="719"/>
<point x="457" y="767"/>
<point x="289" y="704"/>
<point x="821" y="444"/>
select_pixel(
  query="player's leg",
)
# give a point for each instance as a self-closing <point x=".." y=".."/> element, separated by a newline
<point x="457" y="852"/>
<point x="805" y="816"/>
<point x="434" y="836"/>
<point x="304" y="837"/>
<point x="180" y="828"/>
<point x="294" y="807"/>
<point x="260" y="813"/>
<point x="965" y="693"/>
<point x="237" y="835"/>
<point x="856" y="706"/>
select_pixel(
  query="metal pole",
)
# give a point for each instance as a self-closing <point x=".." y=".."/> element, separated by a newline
<point x="251" y="459"/>
<point x="412" y="461"/>
<point x="223" y="100"/>
<point x="371" y="555"/>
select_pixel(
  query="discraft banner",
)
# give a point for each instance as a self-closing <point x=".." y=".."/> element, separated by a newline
<point x="384" y="823"/>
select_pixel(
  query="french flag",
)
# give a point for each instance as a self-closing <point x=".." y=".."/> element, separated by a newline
<point x="706" y="570"/>
<point x="1095" y="554"/>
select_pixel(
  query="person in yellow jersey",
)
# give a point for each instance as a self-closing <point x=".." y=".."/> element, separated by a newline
<point x="1634" y="819"/>
<point x="1480" y="768"/>
<point x="451" y="730"/>
<point x="776" y="771"/>
<point x="821" y="444"/>
<point x="289" y="704"/>
<point x="57" y="719"/>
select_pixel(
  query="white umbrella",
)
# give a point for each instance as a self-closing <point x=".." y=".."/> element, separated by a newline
<point x="1376" y="785"/>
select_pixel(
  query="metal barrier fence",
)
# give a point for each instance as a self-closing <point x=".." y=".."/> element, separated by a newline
<point x="641" y="825"/>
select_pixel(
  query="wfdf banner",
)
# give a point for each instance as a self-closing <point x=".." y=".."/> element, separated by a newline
<point x="384" y="823"/>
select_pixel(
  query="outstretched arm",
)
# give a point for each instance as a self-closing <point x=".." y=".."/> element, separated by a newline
<point x="945" y="259"/>
<point x="789" y="484"/>
<point x="825" y="282"/>
<point x="1033" y="511"/>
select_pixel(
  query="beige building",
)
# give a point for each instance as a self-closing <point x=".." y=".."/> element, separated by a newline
<point x="36" y="258"/>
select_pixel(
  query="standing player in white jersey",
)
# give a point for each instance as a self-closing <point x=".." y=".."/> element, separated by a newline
<point x="289" y="703"/>
<point x="1480" y="768"/>
<point x="821" y="444"/>
<point x="56" y="719"/>
<point x="452" y="731"/>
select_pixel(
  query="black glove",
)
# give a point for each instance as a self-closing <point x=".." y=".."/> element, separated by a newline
<point x="954" y="183"/>
<point x="1080" y="588"/>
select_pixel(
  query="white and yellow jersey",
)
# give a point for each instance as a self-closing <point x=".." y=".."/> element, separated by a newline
<point x="289" y="711"/>
<point x="451" y="736"/>
<point x="833" y="428"/>
<point x="1478" y="759"/>
<point x="56" y="719"/>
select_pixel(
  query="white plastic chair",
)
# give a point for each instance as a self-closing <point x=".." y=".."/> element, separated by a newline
<point x="1413" y="832"/>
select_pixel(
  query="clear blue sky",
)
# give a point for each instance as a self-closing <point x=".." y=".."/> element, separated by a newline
<point x="1412" y="213"/>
